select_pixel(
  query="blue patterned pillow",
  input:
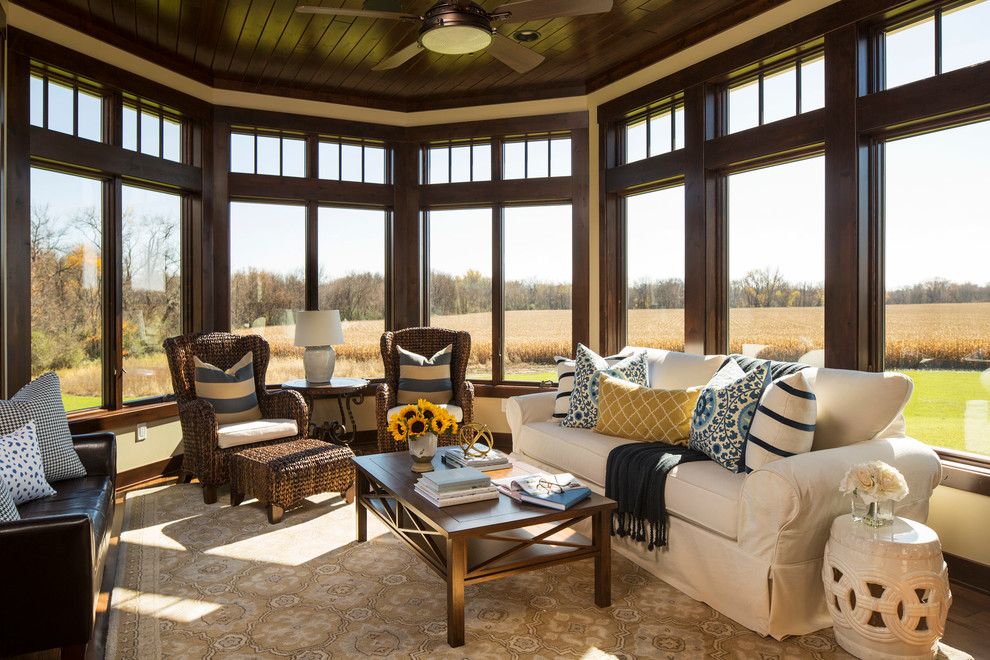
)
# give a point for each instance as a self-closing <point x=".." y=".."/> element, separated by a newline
<point x="21" y="468"/>
<point x="724" y="413"/>
<point x="582" y="413"/>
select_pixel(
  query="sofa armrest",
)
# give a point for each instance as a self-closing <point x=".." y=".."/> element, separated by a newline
<point x="98" y="453"/>
<point x="48" y="585"/>
<point x="521" y="410"/>
<point x="787" y="506"/>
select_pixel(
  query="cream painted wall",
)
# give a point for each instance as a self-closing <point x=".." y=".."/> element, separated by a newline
<point x="960" y="518"/>
<point x="164" y="440"/>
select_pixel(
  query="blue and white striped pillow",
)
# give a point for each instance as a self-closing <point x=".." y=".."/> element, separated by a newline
<point x="231" y="392"/>
<point x="425" y="378"/>
<point x="784" y="423"/>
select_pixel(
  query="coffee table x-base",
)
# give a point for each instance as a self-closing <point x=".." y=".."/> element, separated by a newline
<point x="480" y="541"/>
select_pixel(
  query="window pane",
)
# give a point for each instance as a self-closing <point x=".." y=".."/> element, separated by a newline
<point x="267" y="279"/>
<point x="560" y="157"/>
<point x="514" y="160"/>
<point x="152" y="288"/>
<point x="461" y="279"/>
<point x="269" y="158"/>
<point x="293" y="157"/>
<point x="538" y="159"/>
<point x="329" y="161"/>
<point x="779" y="95"/>
<point x="242" y="153"/>
<point x="37" y="93"/>
<point x="438" y="162"/>
<point x="482" y="163"/>
<point x="66" y="284"/>
<point x="655" y="269"/>
<point x="352" y="279"/>
<point x="150" y="134"/>
<point x="660" y="135"/>
<point x="777" y="262"/>
<point x="90" y="116"/>
<point x="812" y="84"/>
<point x="351" y="162"/>
<point x="460" y="164"/>
<point x="636" y="141"/>
<point x="173" y="140"/>
<point x="679" y="128"/>
<point x="537" y="290"/>
<point x="744" y="106"/>
<point x="909" y="53"/>
<point x="374" y="164"/>
<point x="129" y="126"/>
<point x="59" y="107"/>
<point x="937" y="228"/>
<point x="964" y="35"/>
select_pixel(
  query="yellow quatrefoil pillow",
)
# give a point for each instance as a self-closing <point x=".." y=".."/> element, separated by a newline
<point x="627" y="410"/>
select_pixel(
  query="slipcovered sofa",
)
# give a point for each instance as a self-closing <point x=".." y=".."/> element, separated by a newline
<point x="750" y="545"/>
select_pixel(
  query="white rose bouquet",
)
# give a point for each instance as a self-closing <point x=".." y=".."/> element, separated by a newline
<point x="875" y="482"/>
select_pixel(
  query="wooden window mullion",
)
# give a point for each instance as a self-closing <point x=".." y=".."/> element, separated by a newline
<point x="498" y="297"/>
<point x="112" y="275"/>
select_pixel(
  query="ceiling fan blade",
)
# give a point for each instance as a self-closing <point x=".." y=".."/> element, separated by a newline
<point x="515" y="55"/>
<point x="399" y="57"/>
<point x="361" y="13"/>
<point x="534" y="10"/>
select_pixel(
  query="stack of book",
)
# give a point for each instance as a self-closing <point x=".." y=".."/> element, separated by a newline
<point x="556" y="491"/>
<point x="456" y="486"/>
<point x="493" y="460"/>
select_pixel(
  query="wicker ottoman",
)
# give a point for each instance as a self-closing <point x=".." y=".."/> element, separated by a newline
<point x="282" y="474"/>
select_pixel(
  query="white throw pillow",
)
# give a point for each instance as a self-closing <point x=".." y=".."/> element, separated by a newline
<point x="784" y="423"/>
<point x="21" y="468"/>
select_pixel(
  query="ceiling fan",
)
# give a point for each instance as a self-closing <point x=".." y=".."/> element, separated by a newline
<point x="458" y="27"/>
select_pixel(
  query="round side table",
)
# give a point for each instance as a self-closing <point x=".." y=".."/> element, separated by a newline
<point x="886" y="588"/>
<point x="342" y="389"/>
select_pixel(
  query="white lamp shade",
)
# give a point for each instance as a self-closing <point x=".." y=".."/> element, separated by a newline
<point x="319" y="328"/>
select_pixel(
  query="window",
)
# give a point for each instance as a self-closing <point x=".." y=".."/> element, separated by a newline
<point x="152" y="288"/>
<point x="950" y="37"/>
<point x="937" y="278"/>
<point x="151" y="130"/>
<point x="655" y="269"/>
<point x="460" y="279"/>
<point x="654" y="131"/>
<point x="352" y="279"/>
<point x="65" y="106"/>
<point x="67" y="284"/>
<point x="267" y="279"/>
<point x="537" y="290"/>
<point x="776" y="93"/>
<point x="456" y="162"/>
<point x="536" y="157"/>
<point x="776" y="219"/>
<point x="267" y="153"/>
<point x="351" y="160"/>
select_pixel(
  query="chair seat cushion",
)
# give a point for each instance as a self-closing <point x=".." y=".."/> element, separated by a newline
<point x="260" y="430"/>
<point x="701" y="493"/>
<point x="449" y="407"/>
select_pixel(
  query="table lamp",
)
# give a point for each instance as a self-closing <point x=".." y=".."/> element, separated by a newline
<point x="317" y="331"/>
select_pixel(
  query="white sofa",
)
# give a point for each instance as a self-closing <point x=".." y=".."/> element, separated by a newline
<point x="750" y="545"/>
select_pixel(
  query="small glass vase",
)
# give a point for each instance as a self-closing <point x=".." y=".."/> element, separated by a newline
<point x="423" y="448"/>
<point x="871" y="513"/>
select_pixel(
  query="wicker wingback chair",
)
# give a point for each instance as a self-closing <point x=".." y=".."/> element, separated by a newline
<point x="202" y="456"/>
<point x="424" y="341"/>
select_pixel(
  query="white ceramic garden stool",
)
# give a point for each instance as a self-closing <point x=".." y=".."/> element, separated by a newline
<point x="887" y="588"/>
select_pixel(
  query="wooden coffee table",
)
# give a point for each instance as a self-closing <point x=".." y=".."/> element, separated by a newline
<point x="480" y="541"/>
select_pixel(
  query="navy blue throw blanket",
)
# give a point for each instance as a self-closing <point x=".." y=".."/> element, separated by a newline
<point x="635" y="477"/>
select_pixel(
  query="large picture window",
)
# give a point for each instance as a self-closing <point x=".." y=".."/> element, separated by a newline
<point x="776" y="218"/>
<point x="655" y="269"/>
<point x="937" y="278"/>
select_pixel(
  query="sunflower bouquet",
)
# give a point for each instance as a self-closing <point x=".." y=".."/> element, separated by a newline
<point x="417" y="419"/>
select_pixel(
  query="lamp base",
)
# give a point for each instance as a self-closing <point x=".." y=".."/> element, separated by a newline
<point x="319" y="362"/>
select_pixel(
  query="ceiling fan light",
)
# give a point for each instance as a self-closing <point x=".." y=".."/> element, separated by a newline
<point x="455" y="39"/>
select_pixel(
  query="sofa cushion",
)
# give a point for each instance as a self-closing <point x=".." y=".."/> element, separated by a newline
<point x="91" y="496"/>
<point x="784" y="423"/>
<point x="636" y="412"/>
<point x="671" y="370"/>
<point x="259" y="430"/>
<point x="425" y="378"/>
<point x="21" y="470"/>
<point x="231" y="392"/>
<point x="702" y="493"/>
<point x="583" y="409"/>
<point x="856" y="406"/>
<point x="454" y="410"/>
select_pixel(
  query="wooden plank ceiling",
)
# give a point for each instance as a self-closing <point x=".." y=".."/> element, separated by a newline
<point x="265" y="46"/>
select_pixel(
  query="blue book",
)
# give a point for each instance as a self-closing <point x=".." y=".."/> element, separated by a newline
<point x="457" y="479"/>
<point x="561" y="501"/>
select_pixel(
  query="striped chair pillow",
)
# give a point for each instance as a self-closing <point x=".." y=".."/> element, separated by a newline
<point x="231" y="392"/>
<point x="425" y="378"/>
<point x="784" y="422"/>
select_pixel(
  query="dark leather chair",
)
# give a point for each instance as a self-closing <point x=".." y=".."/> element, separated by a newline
<point x="53" y="557"/>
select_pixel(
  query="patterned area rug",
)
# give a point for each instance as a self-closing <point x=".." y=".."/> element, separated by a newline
<point x="198" y="581"/>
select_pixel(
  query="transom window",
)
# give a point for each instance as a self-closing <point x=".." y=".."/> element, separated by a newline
<point x="152" y="130"/>
<point x="775" y="93"/>
<point x="459" y="161"/>
<point x="656" y="130"/>
<point x="535" y="157"/>
<point x="66" y="105"/>
<point x="342" y="159"/>
<point x="264" y="152"/>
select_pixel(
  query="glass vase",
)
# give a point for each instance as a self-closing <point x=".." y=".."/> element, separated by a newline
<point x="872" y="513"/>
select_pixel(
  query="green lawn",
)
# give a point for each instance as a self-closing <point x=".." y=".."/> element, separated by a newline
<point x="937" y="411"/>
<point x="74" y="402"/>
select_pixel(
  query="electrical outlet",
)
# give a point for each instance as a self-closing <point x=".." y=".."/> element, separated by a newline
<point x="142" y="433"/>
